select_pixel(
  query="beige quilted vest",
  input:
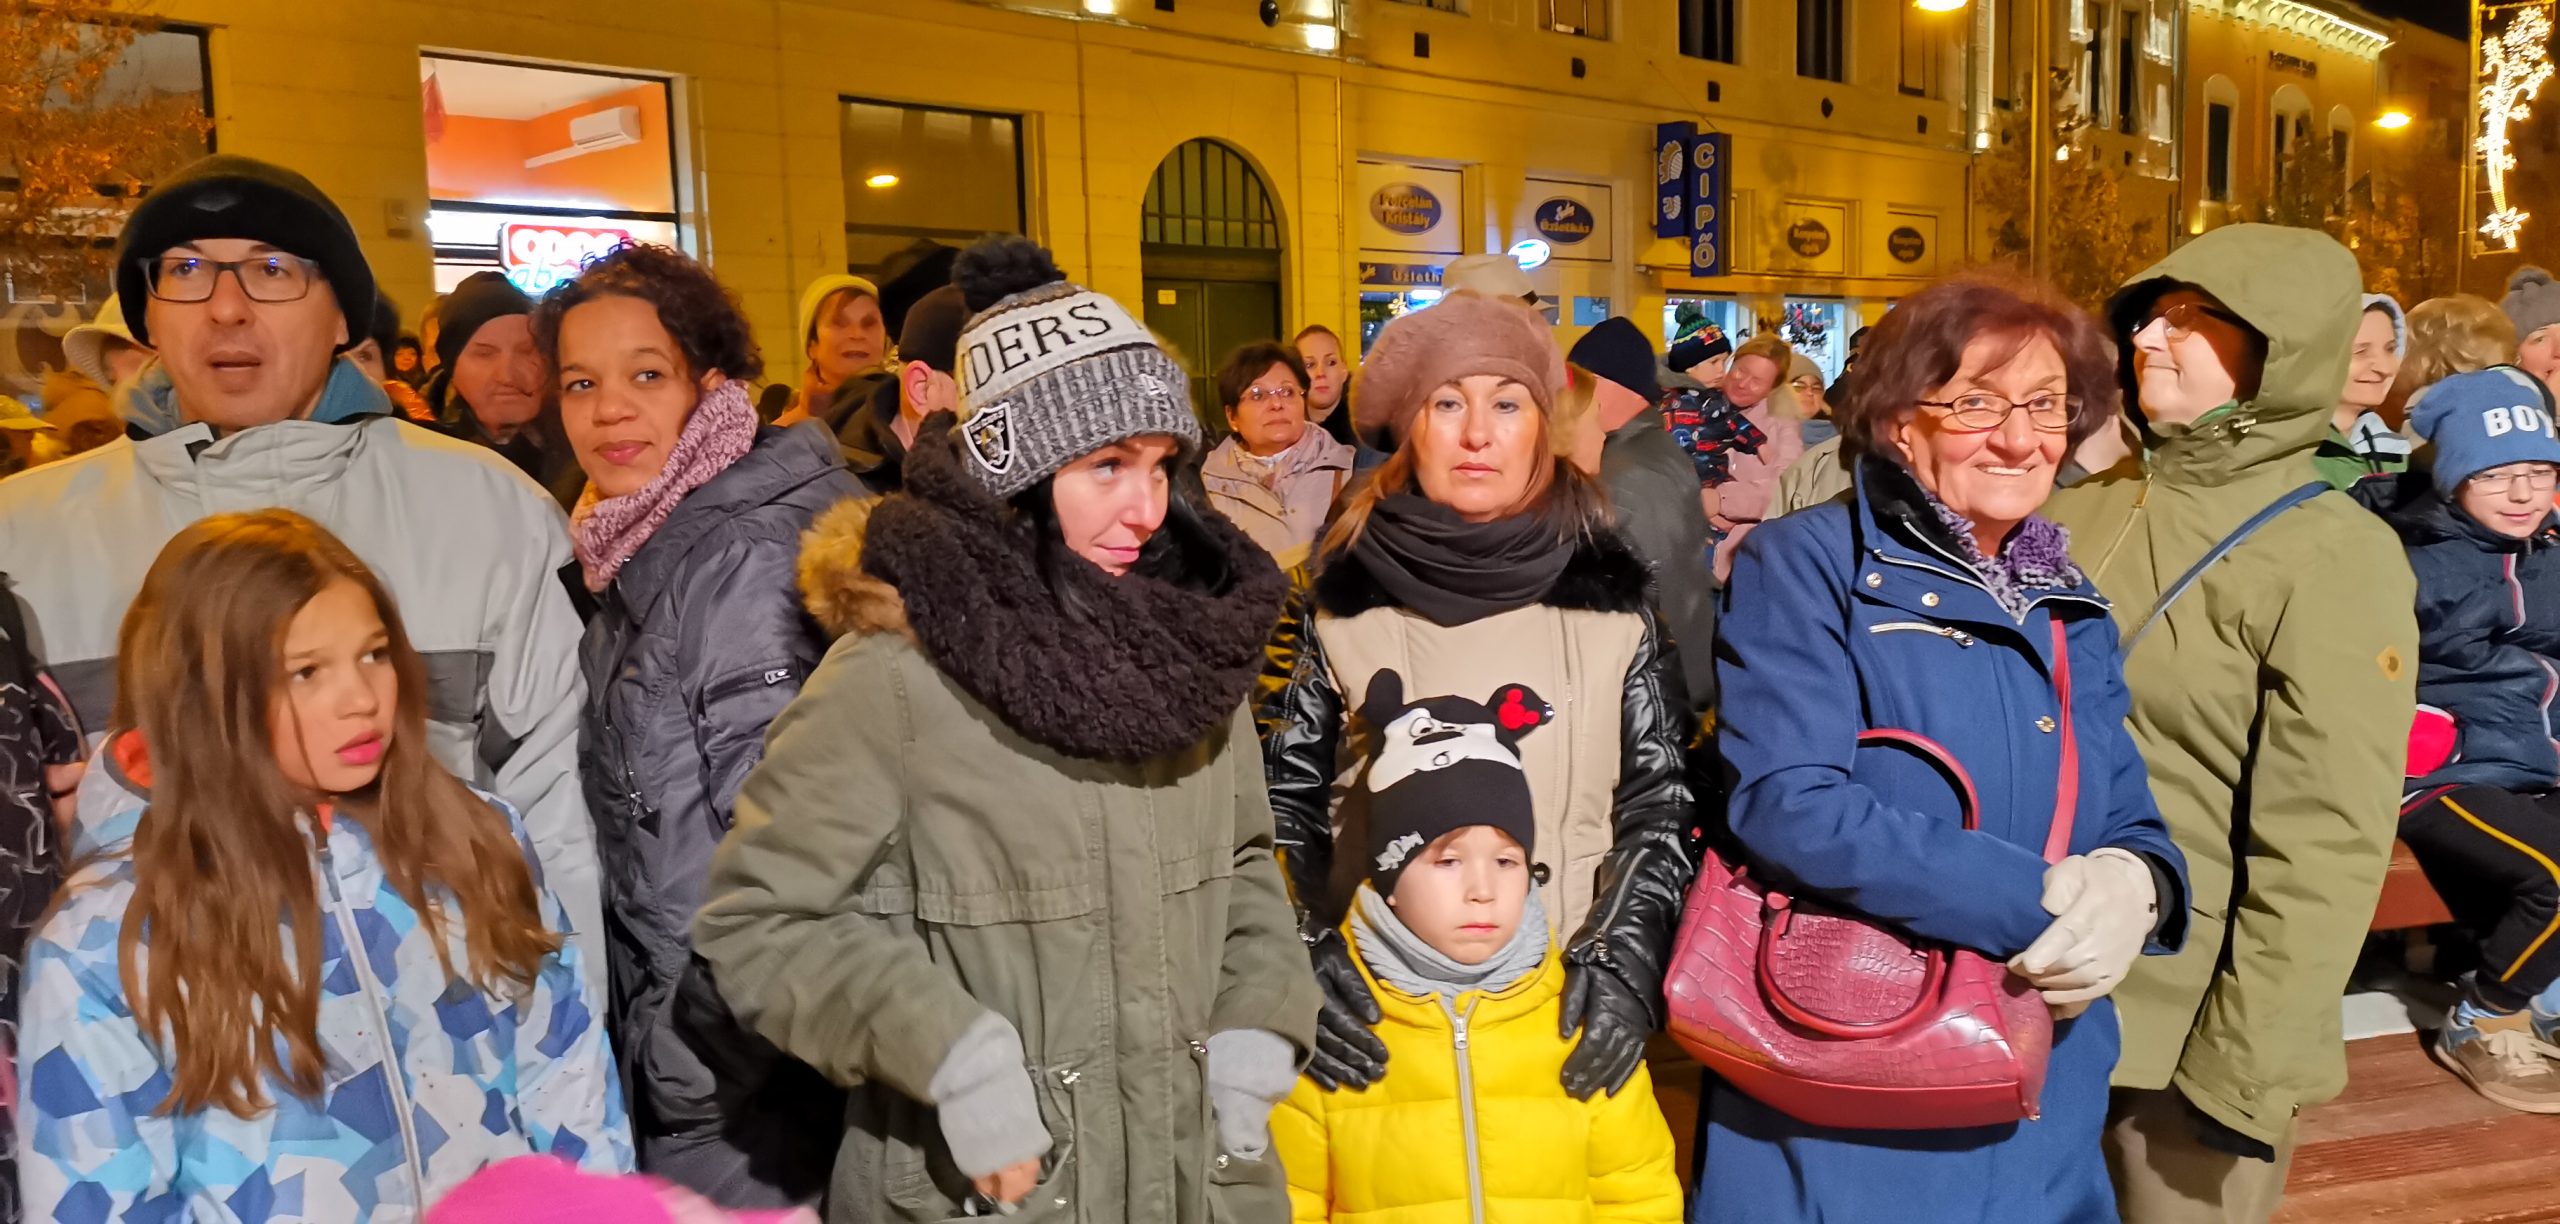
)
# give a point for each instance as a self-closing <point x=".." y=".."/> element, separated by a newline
<point x="1576" y="660"/>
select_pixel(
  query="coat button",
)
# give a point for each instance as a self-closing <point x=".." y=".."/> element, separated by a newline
<point x="1929" y="600"/>
<point x="1874" y="581"/>
<point x="2046" y="724"/>
<point x="1222" y="1160"/>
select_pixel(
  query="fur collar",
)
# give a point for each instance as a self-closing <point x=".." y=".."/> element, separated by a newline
<point x="1604" y="575"/>
<point x="1098" y="668"/>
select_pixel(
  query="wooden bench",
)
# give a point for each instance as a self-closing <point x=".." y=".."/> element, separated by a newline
<point x="2407" y="899"/>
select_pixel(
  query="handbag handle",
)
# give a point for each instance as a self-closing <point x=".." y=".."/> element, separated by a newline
<point x="1781" y="907"/>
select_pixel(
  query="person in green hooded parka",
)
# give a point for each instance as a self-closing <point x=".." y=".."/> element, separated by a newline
<point x="2272" y="703"/>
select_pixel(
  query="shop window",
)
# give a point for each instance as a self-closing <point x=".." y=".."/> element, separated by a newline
<point x="1684" y="317"/>
<point x="1818" y="328"/>
<point x="148" y="112"/>
<point x="533" y="171"/>
<point x="1924" y="49"/>
<point x="1706" y="30"/>
<point x="920" y="176"/>
<point x="1821" y="34"/>
<point x="1587" y="18"/>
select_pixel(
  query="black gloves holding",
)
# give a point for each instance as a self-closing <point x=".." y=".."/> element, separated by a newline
<point x="1347" y="1054"/>
<point x="1614" y="1021"/>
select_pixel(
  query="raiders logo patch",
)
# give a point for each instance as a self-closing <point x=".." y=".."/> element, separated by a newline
<point x="990" y="435"/>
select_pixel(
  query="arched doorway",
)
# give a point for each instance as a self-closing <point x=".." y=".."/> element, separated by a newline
<point x="1210" y="254"/>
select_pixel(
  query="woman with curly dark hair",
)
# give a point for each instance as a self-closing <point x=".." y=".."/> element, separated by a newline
<point x="688" y="536"/>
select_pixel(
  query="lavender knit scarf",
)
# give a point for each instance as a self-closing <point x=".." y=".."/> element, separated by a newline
<point x="609" y="531"/>
<point x="2037" y="555"/>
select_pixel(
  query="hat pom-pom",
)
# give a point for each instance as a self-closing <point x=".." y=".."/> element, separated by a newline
<point x="2527" y="276"/>
<point x="998" y="268"/>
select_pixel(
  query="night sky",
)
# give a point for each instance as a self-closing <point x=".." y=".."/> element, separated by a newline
<point x="2450" y="16"/>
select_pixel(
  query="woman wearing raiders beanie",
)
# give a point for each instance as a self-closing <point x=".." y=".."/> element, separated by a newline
<point x="1006" y="870"/>
<point x="1479" y="555"/>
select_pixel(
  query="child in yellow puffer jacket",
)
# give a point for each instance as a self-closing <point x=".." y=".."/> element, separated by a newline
<point x="1471" y="1123"/>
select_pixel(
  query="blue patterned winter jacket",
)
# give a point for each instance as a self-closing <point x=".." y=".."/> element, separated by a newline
<point x="427" y="1077"/>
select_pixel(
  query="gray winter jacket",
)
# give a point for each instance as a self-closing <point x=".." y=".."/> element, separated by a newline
<point x="699" y="642"/>
<point x="1654" y="489"/>
<point x="470" y="548"/>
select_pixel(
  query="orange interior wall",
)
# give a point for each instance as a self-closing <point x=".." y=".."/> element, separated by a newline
<point x="484" y="158"/>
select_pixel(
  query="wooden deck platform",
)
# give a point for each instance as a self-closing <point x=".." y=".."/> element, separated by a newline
<point x="2410" y="1144"/>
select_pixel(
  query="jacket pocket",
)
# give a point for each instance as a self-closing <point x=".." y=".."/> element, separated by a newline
<point x="1957" y="636"/>
<point x="922" y="1184"/>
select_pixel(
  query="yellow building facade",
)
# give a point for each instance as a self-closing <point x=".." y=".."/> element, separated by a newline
<point x="1529" y="116"/>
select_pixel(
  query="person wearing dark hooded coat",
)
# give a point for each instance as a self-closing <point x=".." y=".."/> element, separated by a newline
<point x="688" y="537"/>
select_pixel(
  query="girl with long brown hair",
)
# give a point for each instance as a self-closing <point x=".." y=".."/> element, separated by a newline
<point x="197" y="1038"/>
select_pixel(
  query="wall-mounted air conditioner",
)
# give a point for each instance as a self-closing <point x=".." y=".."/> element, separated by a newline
<point x="605" y="129"/>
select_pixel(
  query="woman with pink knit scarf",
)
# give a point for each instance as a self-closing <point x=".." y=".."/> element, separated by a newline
<point x="688" y="536"/>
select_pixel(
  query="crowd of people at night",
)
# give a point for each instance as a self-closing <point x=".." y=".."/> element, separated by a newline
<point x="566" y="762"/>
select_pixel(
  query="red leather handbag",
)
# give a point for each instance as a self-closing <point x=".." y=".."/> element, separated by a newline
<point x="1840" y="1021"/>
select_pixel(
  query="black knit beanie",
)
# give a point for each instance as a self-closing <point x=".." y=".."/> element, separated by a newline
<point x="227" y="196"/>
<point x="932" y="331"/>
<point x="1618" y="351"/>
<point x="1442" y="764"/>
<point x="480" y="297"/>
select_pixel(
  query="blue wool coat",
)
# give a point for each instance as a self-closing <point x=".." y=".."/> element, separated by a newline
<point x="1862" y="613"/>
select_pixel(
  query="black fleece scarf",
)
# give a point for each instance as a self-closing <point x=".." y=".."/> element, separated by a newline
<point x="1114" y="669"/>
<point x="1453" y="572"/>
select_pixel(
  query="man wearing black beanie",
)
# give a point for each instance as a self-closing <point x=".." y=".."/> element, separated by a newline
<point x="1654" y="486"/>
<point x="249" y="284"/>
<point x="877" y="435"/>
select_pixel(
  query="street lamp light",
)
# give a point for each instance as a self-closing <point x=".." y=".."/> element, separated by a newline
<point x="1939" y="6"/>
<point x="2392" y="120"/>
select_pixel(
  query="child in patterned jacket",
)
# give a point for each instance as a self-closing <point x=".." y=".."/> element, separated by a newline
<point x="304" y="973"/>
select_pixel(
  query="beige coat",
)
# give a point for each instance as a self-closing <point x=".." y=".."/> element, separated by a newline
<point x="1283" y="504"/>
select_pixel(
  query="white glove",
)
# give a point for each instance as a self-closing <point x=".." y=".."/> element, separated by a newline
<point x="2105" y="906"/>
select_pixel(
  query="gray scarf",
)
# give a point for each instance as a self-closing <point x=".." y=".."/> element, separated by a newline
<point x="1400" y="959"/>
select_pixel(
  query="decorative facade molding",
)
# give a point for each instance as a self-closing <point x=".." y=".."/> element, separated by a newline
<point x="2303" y="20"/>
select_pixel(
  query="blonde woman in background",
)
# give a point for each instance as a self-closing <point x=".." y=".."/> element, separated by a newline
<point x="2448" y="336"/>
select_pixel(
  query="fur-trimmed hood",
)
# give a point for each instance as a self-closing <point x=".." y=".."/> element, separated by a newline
<point x="1604" y="575"/>
<point x="845" y="600"/>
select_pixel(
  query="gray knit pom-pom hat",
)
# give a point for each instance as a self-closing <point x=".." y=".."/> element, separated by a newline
<point x="2532" y="300"/>
<point x="1051" y="371"/>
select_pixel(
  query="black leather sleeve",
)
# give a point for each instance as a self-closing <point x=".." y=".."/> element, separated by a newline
<point x="1644" y="880"/>
<point x="1300" y="718"/>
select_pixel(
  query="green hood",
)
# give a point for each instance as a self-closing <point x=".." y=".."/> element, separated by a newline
<point x="2304" y="293"/>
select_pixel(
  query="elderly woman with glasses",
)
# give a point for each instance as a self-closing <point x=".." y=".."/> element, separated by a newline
<point x="1275" y="476"/>
<point x="1934" y="600"/>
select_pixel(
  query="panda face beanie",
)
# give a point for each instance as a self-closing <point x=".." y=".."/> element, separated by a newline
<point x="2482" y="420"/>
<point x="1444" y="764"/>
<point x="1050" y="371"/>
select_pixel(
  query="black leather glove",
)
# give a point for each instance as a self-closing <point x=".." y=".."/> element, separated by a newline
<point x="1614" y="1021"/>
<point x="2213" y="1134"/>
<point x="1347" y="1055"/>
